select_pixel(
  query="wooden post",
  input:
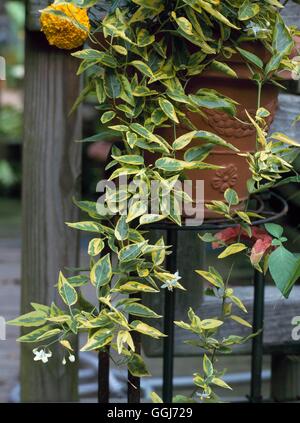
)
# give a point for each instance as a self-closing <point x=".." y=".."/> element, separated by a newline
<point x="285" y="382"/>
<point x="51" y="171"/>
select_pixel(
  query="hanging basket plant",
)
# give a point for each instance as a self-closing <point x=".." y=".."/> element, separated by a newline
<point x="189" y="87"/>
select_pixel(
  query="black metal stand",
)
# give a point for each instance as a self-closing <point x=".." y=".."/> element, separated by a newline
<point x="169" y="303"/>
<point x="257" y="342"/>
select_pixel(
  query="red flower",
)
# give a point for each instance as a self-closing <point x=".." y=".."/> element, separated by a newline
<point x="260" y="241"/>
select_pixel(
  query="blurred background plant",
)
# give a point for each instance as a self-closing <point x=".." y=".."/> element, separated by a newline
<point x="12" y="17"/>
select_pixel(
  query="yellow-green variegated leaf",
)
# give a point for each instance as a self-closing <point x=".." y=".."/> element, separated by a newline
<point x="133" y="160"/>
<point x="49" y="334"/>
<point x="65" y="343"/>
<point x="224" y="68"/>
<point x="208" y="7"/>
<point x="146" y="219"/>
<point x="208" y="324"/>
<point x="219" y="382"/>
<point x="145" y="329"/>
<point x="95" y="247"/>
<point x="241" y="321"/>
<point x="137" y="309"/>
<point x="131" y="252"/>
<point x="211" y="278"/>
<point x="232" y="249"/>
<point x="143" y="68"/>
<point x="121" y="229"/>
<point x="132" y="287"/>
<point x="86" y="226"/>
<point x="98" y="340"/>
<point x="155" y="398"/>
<point x="137" y="209"/>
<point x="101" y="272"/>
<point x="285" y="138"/>
<point x="33" y="318"/>
<point x="66" y="291"/>
<point x="144" y="38"/>
<point x="168" y="108"/>
<point x="120" y="49"/>
<point x="35" y="334"/>
<point x="183" y="140"/>
<point x="108" y="116"/>
<point x="248" y="10"/>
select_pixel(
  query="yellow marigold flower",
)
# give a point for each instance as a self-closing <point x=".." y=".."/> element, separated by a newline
<point x="64" y="33"/>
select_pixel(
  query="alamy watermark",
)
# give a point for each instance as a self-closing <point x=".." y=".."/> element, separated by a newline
<point x="2" y="328"/>
<point x="296" y="330"/>
<point x="2" y="69"/>
<point x="152" y="198"/>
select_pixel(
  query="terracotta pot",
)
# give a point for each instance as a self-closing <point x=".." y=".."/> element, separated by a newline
<point x="235" y="171"/>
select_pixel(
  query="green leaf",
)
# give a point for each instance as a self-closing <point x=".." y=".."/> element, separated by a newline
<point x="170" y="165"/>
<point x="158" y="257"/>
<point x="145" y="133"/>
<point x="248" y="10"/>
<point x="140" y="310"/>
<point x="183" y="140"/>
<point x="95" y="247"/>
<point x="252" y="58"/>
<point x="209" y="8"/>
<point x="107" y="116"/>
<point x="144" y="38"/>
<point x="130" y="252"/>
<point x="198" y="153"/>
<point x="121" y="229"/>
<point x="137" y="209"/>
<point x="207" y="366"/>
<point x="214" y="139"/>
<point x="99" y="56"/>
<point x="78" y="280"/>
<point x="231" y="197"/>
<point x="112" y="84"/>
<point x="285" y="269"/>
<point x="142" y="67"/>
<point x="282" y="38"/>
<point x="168" y="108"/>
<point x="232" y="249"/>
<point x="137" y="366"/>
<point x="98" y="340"/>
<point x="101" y="272"/>
<point x="35" y="334"/>
<point x="49" y="334"/>
<point x="66" y="291"/>
<point x="34" y="318"/>
<point x="129" y="159"/>
<point x="274" y="229"/>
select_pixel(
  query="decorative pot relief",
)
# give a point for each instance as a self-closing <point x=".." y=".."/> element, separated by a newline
<point x="225" y="178"/>
<point x="228" y="126"/>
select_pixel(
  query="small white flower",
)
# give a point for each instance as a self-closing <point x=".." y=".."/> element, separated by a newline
<point x="42" y="355"/>
<point x="64" y="361"/>
<point x="203" y="395"/>
<point x="72" y="358"/>
<point x="171" y="283"/>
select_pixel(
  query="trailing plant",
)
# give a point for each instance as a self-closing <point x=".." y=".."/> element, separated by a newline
<point x="145" y="54"/>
